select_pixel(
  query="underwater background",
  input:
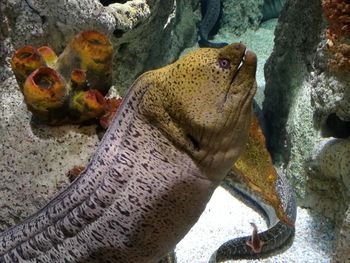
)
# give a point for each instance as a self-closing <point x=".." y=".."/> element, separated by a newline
<point x="303" y="88"/>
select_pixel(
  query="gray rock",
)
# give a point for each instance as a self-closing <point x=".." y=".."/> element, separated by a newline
<point x="272" y="8"/>
<point x="303" y="102"/>
<point x="238" y="16"/>
<point x="170" y="28"/>
<point x="130" y="14"/>
<point x="331" y="99"/>
<point x="342" y="252"/>
<point x="296" y="40"/>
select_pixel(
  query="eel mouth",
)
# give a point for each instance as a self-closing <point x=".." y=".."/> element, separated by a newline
<point x="240" y="65"/>
<point x="247" y="59"/>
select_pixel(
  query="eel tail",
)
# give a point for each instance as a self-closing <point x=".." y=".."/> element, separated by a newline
<point x="203" y="42"/>
<point x="276" y="239"/>
<point x="211" y="12"/>
<point x="272" y="9"/>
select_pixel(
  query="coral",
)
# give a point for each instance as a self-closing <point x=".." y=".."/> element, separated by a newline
<point x="24" y="61"/>
<point x="91" y="52"/>
<point x="112" y="107"/>
<point x="337" y="13"/>
<point x="87" y="105"/>
<point x="44" y="92"/>
<point x="48" y="55"/>
<point x="75" y="172"/>
<point x="69" y="88"/>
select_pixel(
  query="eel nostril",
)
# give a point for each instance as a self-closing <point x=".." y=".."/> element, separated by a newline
<point x="194" y="142"/>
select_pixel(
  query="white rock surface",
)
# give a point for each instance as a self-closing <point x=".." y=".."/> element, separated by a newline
<point x="305" y="100"/>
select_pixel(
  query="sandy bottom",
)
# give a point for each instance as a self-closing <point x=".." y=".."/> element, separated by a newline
<point x="226" y="217"/>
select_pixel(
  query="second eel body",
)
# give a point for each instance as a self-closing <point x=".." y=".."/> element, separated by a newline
<point x="174" y="139"/>
<point x="279" y="235"/>
<point x="275" y="239"/>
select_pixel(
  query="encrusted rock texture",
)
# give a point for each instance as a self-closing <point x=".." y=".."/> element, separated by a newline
<point x="337" y="13"/>
<point x="35" y="158"/>
<point x="307" y="108"/>
<point x="238" y="16"/>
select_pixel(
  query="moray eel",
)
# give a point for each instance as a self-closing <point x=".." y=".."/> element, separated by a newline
<point x="211" y="13"/>
<point x="175" y="137"/>
<point x="279" y="235"/>
<point x="249" y="180"/>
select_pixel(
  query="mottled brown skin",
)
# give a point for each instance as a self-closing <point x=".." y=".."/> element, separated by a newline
<point x="212" y="104"/>
<point x="174" y="138"/>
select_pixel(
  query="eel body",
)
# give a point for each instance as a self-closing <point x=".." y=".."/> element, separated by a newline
<point x="275" y="239"/>
<point x="175" y="137"/>
<point x="280" y="233"/>
<point x="211" y="15"/>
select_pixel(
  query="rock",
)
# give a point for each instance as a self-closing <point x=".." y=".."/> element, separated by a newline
<point x="328" y="178"/>
<point x="331" y="159"/>
<point x="238" y="16"/>
<point x="305" y="100"/>
<point x="331" y="99"/>
<point x="272" y="8"/>
<point x="287" y="92"/>
<point x="170" y="28"/>
<point x="342" y="251"/>
<point x="130" y="14"/>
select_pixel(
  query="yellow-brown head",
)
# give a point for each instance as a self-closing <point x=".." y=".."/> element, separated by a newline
<point x="203" y="102"/>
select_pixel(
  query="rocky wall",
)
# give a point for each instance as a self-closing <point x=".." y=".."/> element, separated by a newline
<point x="238" y="16"/>
<point x="307" y="111"/>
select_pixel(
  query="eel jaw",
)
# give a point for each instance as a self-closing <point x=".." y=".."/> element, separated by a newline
<point x="255" y="169"/>
<point x="241" y="63"/>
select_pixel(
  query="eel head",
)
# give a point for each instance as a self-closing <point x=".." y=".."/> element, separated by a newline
<point x="203" y="103"/>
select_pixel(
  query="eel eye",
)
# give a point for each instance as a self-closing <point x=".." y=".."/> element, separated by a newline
<point x="224" y="63"/>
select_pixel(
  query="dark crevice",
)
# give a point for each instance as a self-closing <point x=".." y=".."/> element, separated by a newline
<point x="194" y="142"/>
<point x="336" y="127"/>
<point x="122" y="48"/>
<point x="118" y="33"/>
<point x="108" y="2"/>
<point x="29" y="3"/>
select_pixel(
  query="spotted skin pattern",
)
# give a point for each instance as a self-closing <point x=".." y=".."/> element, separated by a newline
<point x="178" y="132"/>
